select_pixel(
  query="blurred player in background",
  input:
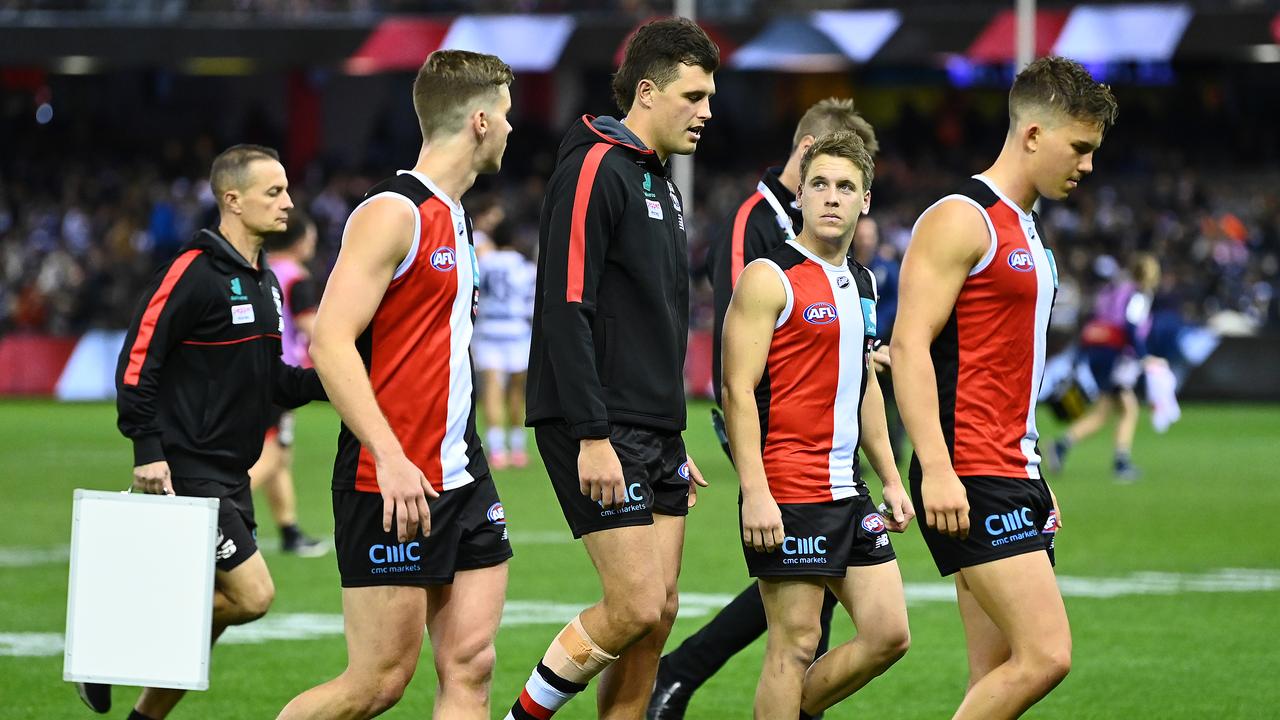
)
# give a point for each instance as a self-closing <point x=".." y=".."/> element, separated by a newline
<point x="1114" y="345"/>
<point x="766" y="219"/>
<point x="488" y="216"/>
<point x="880" y="259"/>
<point x="392" y="342"/>
<point x="198" y="376"/>
<point x="501" y="345"/>
<point x="968" y="359"/>
<point x="606" y="369"/>
<point x="800" y="396"/>
<point x="288" y="253"/>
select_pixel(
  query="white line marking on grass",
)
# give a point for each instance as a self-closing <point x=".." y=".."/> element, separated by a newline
<point x="310" y="626"/>
<point x="32" y="556"/>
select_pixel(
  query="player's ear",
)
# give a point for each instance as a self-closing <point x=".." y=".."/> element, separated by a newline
<point x="644" y="93"/>
<point x="866" y="202"/>
<point x="231" y="201"/>
<point x="1031" y="137"/>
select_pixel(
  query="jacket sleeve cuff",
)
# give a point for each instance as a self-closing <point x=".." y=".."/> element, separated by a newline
<point x="147" y="449"/>
<point x="590" y="430"/>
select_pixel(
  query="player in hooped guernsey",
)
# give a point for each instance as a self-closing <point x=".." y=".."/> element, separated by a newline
<point x="968" y="355"/>
<point x="800" y="397"/>
<point x="503" y="332"/>
<point x="391" y="344"/>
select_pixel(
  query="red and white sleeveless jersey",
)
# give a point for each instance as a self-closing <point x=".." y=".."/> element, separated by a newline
<point x="417" y="347"/>
<point x="810" y="397"/>
<point x="989" y="358"/>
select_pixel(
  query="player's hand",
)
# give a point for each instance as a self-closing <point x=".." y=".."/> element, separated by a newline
<point x="898" y="507"/>
<point x="880" y="359"/>
<point x="404" y="497"/>
<point x="695" y="481"/>
<point x="600" y="473"/>
<point x="946" y="503"/>
<point x="153" y="478"/>
<point x="761" y="522"/>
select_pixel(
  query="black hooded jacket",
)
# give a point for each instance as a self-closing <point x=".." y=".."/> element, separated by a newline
<point x="201" y="365"/>
<point x="611" y="314"/>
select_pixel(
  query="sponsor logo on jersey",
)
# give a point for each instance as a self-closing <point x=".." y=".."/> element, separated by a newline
<point x="241" y="314"/>
<point x="444" y="259"/>
<point x="275" y="295"/>
<point x="237" y="291"/>
<point x="647" y="186"/>
<point x="1009" y="527"/>
<point x="1021" y="260"/>
<point x="655" y="209"/>
<point x="874" y="523"/>
<point x="496" y="514"/>
<point x="820" y="313"/>
<point x="869" y="317"/>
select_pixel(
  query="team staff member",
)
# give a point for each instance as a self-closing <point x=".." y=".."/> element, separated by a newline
<point x="968" y="359"/>
<point x="197" y="377"/>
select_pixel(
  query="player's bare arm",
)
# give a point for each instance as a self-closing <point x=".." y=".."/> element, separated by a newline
<point x="875" y="443"/>
<point x="758" y="302"/>
<point x="948" y="242"/>
<point x="376" y="241"/>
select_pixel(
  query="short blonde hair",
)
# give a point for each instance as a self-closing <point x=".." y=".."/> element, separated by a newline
<point x="844" y="144"/>
<point x="833" y="115"/>
<point x="448" y="85"/>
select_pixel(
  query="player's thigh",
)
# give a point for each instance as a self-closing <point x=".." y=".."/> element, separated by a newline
<point x="247" y="583"/>
<point x="384" y="626"/>
<point x="986" y="645"/>
<point x="627" y="559"/>
<point x="792" y="607"/>
<point x="1020" y="595"/>
<point x="669" y="531"/>
<point x="463" y="617"/>
<point x="874" y="599"/>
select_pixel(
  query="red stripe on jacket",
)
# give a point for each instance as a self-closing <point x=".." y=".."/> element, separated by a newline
<point x="738" y="241"/>
<point x="147" y="328"/>
<point x="578" y="229"/>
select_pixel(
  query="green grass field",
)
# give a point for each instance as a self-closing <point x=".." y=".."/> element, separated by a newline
<point x="1159" y="630"/>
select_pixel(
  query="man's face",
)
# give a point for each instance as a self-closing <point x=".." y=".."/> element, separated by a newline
<point x="494" y="144"/>
<point x="681" y="109"/>
<point x="1064" y="155"/>
<point x="264" y="200"/>
<point x="831" y="198"/>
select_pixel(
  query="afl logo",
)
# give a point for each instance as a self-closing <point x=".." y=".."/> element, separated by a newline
<point x="820" y="313"/>
<point x="1021" y="261"/>
<point x="443" y="259"/>
<point x="684" y="471"/>
<point x="873" y="523"/>
<point x="496" y="514"/>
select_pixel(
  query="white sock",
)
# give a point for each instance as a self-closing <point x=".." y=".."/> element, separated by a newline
<point x="516" y="439"/>
<point x="496" y="439"/>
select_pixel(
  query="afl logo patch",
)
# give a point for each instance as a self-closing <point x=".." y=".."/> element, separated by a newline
<point x="444" y="259"/>
<point x="1021" y="261"/>
<point x="683" y="472"/>
<point x="820" y="313"/>
<point x="496" y="514"/>
<point x="873" y="523"/>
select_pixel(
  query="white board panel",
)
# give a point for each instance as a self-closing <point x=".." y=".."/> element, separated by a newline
<point x="140" y="599"/>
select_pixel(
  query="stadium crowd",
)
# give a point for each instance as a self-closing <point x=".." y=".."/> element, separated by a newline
<point x="80" y="233"/>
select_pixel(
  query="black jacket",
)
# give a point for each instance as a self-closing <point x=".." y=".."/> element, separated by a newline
<point x="201" y="364"/>
<point x="611" y="314"/>
<point x="752" y="232"/>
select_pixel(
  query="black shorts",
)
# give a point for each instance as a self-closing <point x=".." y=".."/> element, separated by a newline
<point x="654" y="466"/>
<point x="280" y="426"/>
<point x="468" y="531"/>
<point x="823" y="539"/>
<point x="1007" y="517"/>
<point x="237" y="530"/>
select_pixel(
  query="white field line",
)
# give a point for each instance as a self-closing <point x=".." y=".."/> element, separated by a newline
<point x="308" y="626"/>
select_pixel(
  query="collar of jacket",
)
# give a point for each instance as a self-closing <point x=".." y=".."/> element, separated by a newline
<point x="219" y="248"/>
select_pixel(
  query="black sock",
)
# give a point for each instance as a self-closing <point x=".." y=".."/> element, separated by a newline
<point x="1123" y="458"/>
<point x="135" y="715"/>
<point x="290" y="533"/>
<point x="731" y="630"/>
